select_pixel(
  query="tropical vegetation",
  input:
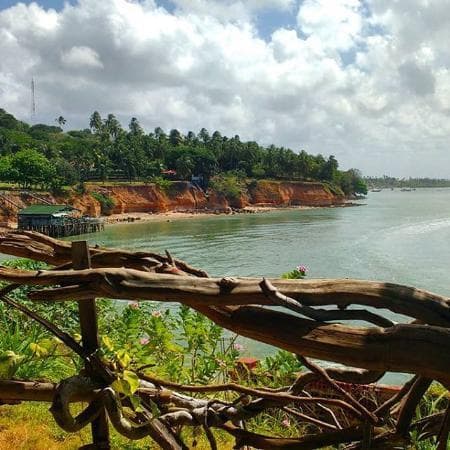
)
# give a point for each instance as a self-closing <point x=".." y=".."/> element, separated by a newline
<point x="47" y="156"/>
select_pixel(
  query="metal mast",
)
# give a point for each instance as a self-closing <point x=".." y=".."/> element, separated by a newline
<point x="33" y="101"/>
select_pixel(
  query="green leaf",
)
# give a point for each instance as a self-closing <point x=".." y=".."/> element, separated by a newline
<point x="8" y="361"/>
<point x="155" y="410"/>
<point x="136" y="403"/>
<point x="108" y="343"/>
<point x="132" y="380"/>
<point x="121" y="386"/>
<point x="38" y="350"/>
<point x="123" y="358"/>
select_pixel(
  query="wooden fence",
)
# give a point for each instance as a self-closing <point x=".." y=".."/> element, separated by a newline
<point x="288" y="314"/>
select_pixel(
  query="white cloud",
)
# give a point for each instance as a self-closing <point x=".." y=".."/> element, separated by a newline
<point x="368" y="82"/>
<point x="81" y="57"/>
<point x="336" y="24"/>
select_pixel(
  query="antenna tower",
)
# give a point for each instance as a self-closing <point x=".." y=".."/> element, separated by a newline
<point x="33" y="101"/>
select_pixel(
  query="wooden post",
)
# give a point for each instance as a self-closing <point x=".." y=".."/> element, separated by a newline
<point x="89" y="332"/>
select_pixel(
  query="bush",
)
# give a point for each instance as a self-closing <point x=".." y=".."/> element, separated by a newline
<point x="106" y="203"/>
<point x="161" y="183"/>
<point x="229" y="185"/>
<point x="297" y="274"/>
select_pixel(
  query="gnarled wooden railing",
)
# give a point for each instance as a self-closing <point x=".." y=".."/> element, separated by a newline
<point x="288" y="314"/>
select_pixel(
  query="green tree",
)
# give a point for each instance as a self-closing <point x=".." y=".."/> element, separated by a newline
<point x="184" y="167"/>
<point x="175" y="137"/>
<point x="112" y="126"/>
<point x="31" y="168"/>
<point x="95" y="122"/>
<point x="61" y="121"/>
<point x="329" y="169"/>
<point x="5" y="169"/>
<point x="135" y="127"/>
<point x="10" y="122"/>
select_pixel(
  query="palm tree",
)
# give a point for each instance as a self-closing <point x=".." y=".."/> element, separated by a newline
<point x="95" y="121"/>
<point x="61" y="121"/>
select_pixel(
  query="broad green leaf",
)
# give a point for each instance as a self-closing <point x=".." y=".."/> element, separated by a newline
<point x="121" y="386"/>
<point x="132" y="380"/>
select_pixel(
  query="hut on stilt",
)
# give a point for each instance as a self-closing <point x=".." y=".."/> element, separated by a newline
<point x="57" y="220"/>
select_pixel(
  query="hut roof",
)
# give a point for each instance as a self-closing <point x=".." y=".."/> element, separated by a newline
<point x="45" y="210"/>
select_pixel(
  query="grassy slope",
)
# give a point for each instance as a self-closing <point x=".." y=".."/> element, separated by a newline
<point x="31" y="427"/>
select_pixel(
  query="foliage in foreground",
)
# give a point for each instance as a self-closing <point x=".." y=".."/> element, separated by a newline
<point x="176" y="344"/>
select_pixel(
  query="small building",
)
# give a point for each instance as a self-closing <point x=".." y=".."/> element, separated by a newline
<point x="56" y="220"/>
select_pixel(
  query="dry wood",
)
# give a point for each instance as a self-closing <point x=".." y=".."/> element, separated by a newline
<point x="444" y="432"/>
<point x="405" y="348"/>
<point x="87" y="312"/>
<point x="246" y="306"/>
<point x="37" y="246"/>
<point x="409" y="404"/>
<point x="133" y="284"/>
<point x="308" y="442"/>
<point x="402" y="348"/>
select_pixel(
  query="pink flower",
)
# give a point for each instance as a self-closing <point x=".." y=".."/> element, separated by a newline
<point x="238" y="347"/>
<point x="156" y="314"/>
<point x="286" y="423"/>
<point x="144" y="341"/>
<point x="302" y="269"/>
<point x="133" y="305"/>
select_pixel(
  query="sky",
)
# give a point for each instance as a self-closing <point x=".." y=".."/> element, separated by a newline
<point x="365" y="80"/>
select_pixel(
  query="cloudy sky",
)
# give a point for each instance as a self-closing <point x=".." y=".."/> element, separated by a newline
<point x="365" y="80"/>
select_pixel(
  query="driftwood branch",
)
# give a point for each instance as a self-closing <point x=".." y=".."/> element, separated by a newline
<point x="33" y="245"/>
<point x="368" y="348"/>
<point x="133" y="284"/>
<point x="250" y="307"/>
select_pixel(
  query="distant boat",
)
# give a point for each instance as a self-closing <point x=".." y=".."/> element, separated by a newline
<point x="406" y="189"/>
<point x="375" y="190"/>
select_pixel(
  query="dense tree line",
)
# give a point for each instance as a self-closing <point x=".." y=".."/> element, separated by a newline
<point x="392" y="182"/>
<point x="106" y="151"/>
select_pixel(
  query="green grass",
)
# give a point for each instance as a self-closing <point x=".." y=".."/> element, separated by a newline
<point x="30" y="426"/>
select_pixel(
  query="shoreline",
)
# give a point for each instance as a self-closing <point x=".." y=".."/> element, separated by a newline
<point x="168" y="216"/>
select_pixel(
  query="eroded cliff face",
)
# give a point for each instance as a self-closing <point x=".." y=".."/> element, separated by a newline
<point x="180" y="196"/>
<point x="183" y="196"/>
<point x="292" y="193"/>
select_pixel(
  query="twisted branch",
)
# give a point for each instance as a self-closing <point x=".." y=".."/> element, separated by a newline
<point x="248" y="306"/>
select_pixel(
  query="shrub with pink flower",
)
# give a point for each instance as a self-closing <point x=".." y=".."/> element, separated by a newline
<point x="156" y="314"/>
<point x="133" y="305"/>
<point x="238" y="347"/>
<point x="144" y="341"/>
<point x="298" y="273"/>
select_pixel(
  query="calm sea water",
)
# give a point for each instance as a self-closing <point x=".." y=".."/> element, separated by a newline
<point x="395" y="236"/>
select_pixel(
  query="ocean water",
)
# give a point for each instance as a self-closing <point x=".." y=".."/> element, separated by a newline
<point x="395" y="236"/>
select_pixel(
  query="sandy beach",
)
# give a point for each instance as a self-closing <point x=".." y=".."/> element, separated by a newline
<point x="140" y="217"/>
